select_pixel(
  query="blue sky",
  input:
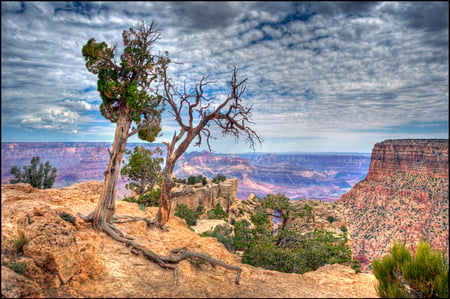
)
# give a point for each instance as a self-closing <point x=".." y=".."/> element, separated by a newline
<point x="322" y="76"/>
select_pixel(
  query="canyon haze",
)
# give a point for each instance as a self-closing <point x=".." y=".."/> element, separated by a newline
<point x="324" y="176"/>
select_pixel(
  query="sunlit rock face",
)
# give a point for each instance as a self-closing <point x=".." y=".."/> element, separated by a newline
<point x="427" y="156"/>
<point x="404" y="198"/>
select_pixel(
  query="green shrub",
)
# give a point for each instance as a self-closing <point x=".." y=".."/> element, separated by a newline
<point x="200" y="210"/>
<point x="187" y="214"/>
<point x="426" y="273"/>
<point x="67" y="217"/>
<point x="223" y="235"/>
<point x="330" y="219"/>
<point x="217" y="213"/>
<point x="19" y="241"/>
<point x="19" y="267"/>
<point x="219" y="178"/>
<point x="37" y="174"/>
<point x="343" y="229"/>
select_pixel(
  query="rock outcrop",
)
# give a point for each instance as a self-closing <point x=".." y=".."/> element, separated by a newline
<point x="427" y="156"/>
<point x="404" y="198"/>
<point x="207" y="196"/>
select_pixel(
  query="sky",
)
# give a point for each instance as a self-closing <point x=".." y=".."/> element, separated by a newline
<point x="322" y="76"/>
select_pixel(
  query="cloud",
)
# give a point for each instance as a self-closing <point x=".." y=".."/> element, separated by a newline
<point x="313" y="68"/>
<point x="52" y="119"/>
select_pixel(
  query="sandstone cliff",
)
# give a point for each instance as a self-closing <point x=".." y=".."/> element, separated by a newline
<point x="427" y="156"/>
<point x="404" y="198"/>
<point x="66" y="259"/>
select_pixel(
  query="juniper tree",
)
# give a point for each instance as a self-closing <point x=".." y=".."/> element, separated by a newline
<point x="143" y="170"/>
<point x="38" y="175"/>
<point x="130" y="99"/>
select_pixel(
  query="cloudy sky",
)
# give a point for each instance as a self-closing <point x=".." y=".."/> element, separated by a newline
<point x="326" y="77"/>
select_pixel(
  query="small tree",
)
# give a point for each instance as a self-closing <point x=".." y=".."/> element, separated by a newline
<point x="143" y="170"/>
<point x="38" y="175"/>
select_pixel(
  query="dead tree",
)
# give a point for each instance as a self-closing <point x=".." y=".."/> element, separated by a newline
<point x="232" y="116"/>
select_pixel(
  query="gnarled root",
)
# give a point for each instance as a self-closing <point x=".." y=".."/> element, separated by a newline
<point x="169" y="262"/>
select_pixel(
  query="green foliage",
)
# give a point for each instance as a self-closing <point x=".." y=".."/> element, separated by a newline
<point x="343" y="229"/>
<point x="142" y="170"/>
<point x="149" y="199"/>
<point x="18" y="267"/>
<point x="242" y="234"/>
<point x="19" y="241"/>
<point x="200" y="210"/>
<point x="223" y="235"/>
<point x="426" y="273"/>
<point x="67" y="217"/>
<point x="330" y="219"/>
<point x="129" y="88"/>
<point x="38" y="175"/>
<point x="187" y="214"/>
<point x="219" y="178"/>
<point x="217" y="213"/>
<point x="192" y="180"/>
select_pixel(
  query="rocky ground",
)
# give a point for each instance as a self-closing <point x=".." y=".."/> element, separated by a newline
<point x="64" y="260"/>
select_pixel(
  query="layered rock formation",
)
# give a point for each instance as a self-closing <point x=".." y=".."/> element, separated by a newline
<point x="404" y="198"/>
<point x="427" y="156"/>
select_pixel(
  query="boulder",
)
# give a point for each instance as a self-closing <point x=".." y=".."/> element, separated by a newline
<point x="18" y="286"/>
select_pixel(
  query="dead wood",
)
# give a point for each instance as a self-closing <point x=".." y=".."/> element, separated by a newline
<point x="169" y="262"/>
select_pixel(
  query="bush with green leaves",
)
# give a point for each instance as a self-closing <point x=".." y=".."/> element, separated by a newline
<point x="192" y="180"/>
<point x="18" y="267"/>
<point x="143" y="169"/>
<point x="149" y="199"/>
<point x="38" y="175"/>
<point x="330" y="219"/>
<point x="217" y="213"/>
<point x="223" y="235"/>
<point x="187" y="214"/>
<point x="219" y="178"/>
<point x="402" y="275"/>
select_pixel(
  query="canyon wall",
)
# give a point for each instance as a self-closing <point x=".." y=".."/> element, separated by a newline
<point x="427" y="156"/>
<point x="404" y="198"/>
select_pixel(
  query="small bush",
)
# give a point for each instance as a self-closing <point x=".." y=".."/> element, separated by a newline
<point x="187" y="214"/>
<point x="200" y="210"/>
<point x="343" y="229"/>
<point x="223" y="235"/>
<point x="330" y="219"/>
<point x="19" y="241"/>
<point x="67" y="217"/>
<point x="219" y="178"/>
<point x="426" y="272"/>
<point x="19" y="267"/>
<point x="217" y="213"/>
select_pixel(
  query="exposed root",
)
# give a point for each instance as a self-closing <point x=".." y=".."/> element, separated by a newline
<point x="127" y="218"/>
<point x="163" y="261"/>
<point x="87" y="218"/>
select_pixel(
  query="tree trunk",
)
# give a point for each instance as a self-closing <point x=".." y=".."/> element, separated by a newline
<point x="106" y="205"/>
<point x="166" y="190"/>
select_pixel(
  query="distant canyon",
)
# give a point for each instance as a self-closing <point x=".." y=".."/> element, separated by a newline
<point x="325" y="176"/>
